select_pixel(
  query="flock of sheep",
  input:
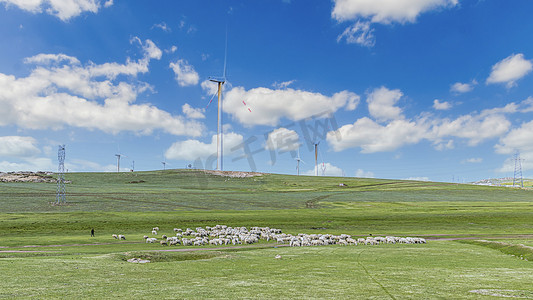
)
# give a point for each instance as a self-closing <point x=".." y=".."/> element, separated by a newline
<point x="225" y="235"/>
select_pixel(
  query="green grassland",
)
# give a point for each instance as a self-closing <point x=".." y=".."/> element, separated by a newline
<point x="46" y="250"/>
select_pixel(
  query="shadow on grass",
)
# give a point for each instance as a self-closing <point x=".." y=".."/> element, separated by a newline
<point x="520" y="251"/>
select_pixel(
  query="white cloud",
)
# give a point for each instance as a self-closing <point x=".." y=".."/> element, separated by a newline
<point x="283" y="140"/>
<point x="62" y="92"/>
<point x="195" y="149"/>
<point x="353" y="102"/>
<point x="510" y="69"/>
<point x="460" y="88"/>
<point x="163" y="26"/>
<point x="63" y="9"/>
<point x="527" y="105"/>
<point x="283" y="85"/>
<point x="193" y="113"/>
<point x="185" y="73"/>
<point x="381" y="104"/>
<point x="359" y="33"/>
<point x="151" y="49"/>
<point x="474" y="128"/>
<point x="386" y="11"/>
<point x="209" y="87"/>
<point x="373" y="137"/>
<point x="269" y="106"/>
<point x="507" y="109"/>
<point x="441" y="105"/>
<point x="32" y="164"/>
<point x="366" y="12"/>
<point x="47" y="59"/>
<point x="517" y="139"/>
<point x="18" y="146"/>
<point x="441" y="145"/>
<point x="326" y="169"/>
<point x="364" y="174"/>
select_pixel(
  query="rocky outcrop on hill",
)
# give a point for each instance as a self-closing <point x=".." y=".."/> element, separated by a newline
<point x="234" y="174"/>
<point x="28" y="177"/>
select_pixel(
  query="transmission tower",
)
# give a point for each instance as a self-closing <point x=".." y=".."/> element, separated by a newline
<point x="517" y="178"/>
<point x="61" y="192"/>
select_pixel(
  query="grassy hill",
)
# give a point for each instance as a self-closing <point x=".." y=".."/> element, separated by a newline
<point x="172" y="190"/>
<point x="134" y="201"/>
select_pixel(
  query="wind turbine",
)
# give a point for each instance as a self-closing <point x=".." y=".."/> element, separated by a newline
<point x="220" y="82"/>
<point x="323" y="167"/>
<point x="316" y="158"/>
<point x="118" y="160"/>
<point x="298" y="160"/>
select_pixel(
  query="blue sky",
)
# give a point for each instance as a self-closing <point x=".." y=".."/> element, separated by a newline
<point x="433" y="90"/>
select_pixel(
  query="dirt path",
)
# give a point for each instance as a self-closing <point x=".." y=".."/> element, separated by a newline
<point x="158" y="250"/>
<point x="26" y="251"/>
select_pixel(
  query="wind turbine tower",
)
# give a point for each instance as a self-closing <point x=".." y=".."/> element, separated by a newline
<point x="298" y="160"/>
<point x="164" y="165"/>
<point x="220" y="82"/>
<point x="118" y="160"/>
<point x="316" y="158"/>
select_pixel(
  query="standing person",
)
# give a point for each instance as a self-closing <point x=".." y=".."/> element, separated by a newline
<point x="92" y="232"/>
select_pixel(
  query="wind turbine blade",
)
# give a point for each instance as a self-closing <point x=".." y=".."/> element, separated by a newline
<point x="225" y="54"/>
<point x="212" y="97"/>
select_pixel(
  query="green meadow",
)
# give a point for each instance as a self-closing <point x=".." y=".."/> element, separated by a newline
<point x="480" y="239"/>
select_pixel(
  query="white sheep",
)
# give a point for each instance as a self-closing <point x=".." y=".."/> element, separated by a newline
<point x="154" y="232"/>
<point x="155" y="228"/>
<point x="121" y="237"/>
<point x="173" y="241"/>
<point x="115" y="236"/>
<point x="151" y="240"/>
